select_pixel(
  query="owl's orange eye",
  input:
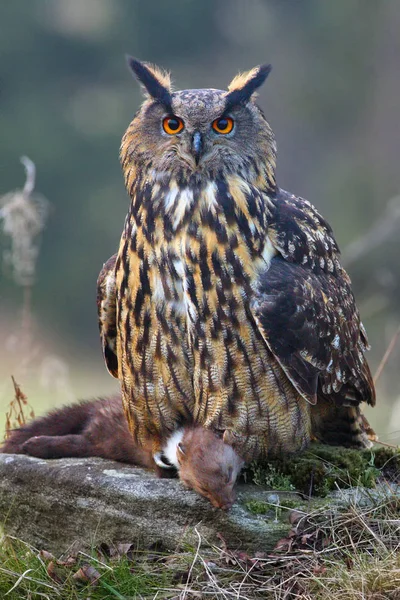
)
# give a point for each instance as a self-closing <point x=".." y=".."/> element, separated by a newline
<point x="172" y="125"/>
<point x="224" y="125"/>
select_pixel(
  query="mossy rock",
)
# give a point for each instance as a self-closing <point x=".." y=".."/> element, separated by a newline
<point x="321" y="469"/>
<point x="387" y="460"/>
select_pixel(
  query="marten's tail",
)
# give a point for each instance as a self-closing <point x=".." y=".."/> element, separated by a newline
<point x="341" y="426"/>
<point x="69" y="420"/>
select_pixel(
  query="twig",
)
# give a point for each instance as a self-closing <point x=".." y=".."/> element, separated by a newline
<point x="360" y="518"/>
<point x="386" y="355"/>
<point x="20" y="578"/>
<point x="185" y="591"/>
<point x="378" y="234"/>
<point x="24" y="576"/>
<point x="386" y="444"/>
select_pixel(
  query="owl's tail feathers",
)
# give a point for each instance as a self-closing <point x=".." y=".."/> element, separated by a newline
<point x="372" y="436"/>
<point x="342" y="426"/>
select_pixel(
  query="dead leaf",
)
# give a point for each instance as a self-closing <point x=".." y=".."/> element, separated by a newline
<point x="295" y="516"/>
<point x="46" y="555"/>
<point x="87" y="574"/>
<point x="308" y="537"/>
<point x="126" y="550"/>
<point x="69" y="562"/>
<point x="53" y="572"/>
<point x="284" y="545"/>
<point x="319" y="570"/>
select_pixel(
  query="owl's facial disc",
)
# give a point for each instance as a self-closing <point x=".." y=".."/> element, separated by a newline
<point x="200" y="133"/>
<point x="206" y="131"/>
<point x="221" y="126"/>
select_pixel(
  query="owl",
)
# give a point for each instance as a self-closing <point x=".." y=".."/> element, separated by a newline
<point x="226" y="304"/>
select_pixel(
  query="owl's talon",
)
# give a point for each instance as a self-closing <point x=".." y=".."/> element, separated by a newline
<point x="161" y="461"/>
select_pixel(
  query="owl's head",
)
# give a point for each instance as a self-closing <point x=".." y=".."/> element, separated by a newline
<point x="198" y="135"/>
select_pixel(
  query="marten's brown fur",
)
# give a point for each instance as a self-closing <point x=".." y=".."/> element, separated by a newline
<point x="89" y="428"/>
<point x="99" y="428"/>
<point x="209" y="466"/>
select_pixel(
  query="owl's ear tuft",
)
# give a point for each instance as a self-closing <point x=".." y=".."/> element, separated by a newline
<point x="243" y="86"/>
<point x="156" y="82"/>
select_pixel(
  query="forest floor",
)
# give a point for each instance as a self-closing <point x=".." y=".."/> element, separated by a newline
<point x="348" y="554"/>
<point x="348" y="551"/>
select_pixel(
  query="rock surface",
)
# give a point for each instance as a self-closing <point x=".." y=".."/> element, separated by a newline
<point x="79" y="503"/>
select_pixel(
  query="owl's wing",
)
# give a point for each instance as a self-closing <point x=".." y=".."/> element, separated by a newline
<point x="106" y="310"/>
<point x="305" y="309"/>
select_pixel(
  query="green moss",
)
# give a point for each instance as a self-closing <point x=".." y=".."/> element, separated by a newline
<point x="386" y="459"/>
<point x="320" y="469"/>
<point x="256" y="507"/>
<point x="278" y="511"/>
<point x="272" y="476"/>
<point x="288" y="504"/>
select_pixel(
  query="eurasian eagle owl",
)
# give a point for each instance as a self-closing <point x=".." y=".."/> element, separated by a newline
<point x="226" y="304"/>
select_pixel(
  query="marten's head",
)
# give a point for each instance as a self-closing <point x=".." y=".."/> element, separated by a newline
<point x="209" y="466"/>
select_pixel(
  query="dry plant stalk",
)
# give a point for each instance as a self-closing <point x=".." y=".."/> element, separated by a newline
<point x="23" y="215"/>
<point x="17" y="409"/>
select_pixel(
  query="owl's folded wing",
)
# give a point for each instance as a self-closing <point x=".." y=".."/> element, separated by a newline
<point x="312" y="326"/>
<point x="106" y="310"/>
<point x="305" y="308"/>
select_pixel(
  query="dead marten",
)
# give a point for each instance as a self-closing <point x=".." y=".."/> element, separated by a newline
<point x="99" y="428"/>
<point x="206" y="464"/>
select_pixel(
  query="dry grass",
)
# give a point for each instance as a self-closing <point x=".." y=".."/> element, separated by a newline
<point x="19" y="410"/>
<point x="352" y="553"/>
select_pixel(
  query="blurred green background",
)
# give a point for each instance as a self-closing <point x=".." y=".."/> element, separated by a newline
<point x="66" y="98"/>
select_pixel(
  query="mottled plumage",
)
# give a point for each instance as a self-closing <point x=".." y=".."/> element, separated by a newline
<point x="226" y="304"/>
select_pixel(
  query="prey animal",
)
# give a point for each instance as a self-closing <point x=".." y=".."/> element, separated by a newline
<point x="99" y="428"/>
<point x="226" y="304"/>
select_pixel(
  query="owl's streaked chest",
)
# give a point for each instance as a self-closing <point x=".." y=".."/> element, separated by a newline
<point x="185" y="328"/>
<point x="189" y="257"/>
<point x="187" y="261"/>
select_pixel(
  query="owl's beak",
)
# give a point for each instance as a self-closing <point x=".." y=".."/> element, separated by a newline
<point x="197" y="146"/>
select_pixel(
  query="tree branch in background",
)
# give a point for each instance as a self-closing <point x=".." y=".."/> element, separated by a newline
<point x="379" y="233"/>
<point x="385" y="357"/>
